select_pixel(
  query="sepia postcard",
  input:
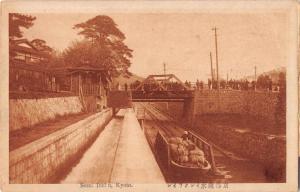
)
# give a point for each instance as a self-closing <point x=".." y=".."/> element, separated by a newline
<point x="149" y="96"/>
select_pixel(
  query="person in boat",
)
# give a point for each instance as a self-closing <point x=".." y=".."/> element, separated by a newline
<point x="188" y="141"/>
<point x="185" y="136"/>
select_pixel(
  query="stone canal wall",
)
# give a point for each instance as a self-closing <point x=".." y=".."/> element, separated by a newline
<point x="25" y="113"/>
<point x="258" y="104"/>
<point x="42" y="160"/>
<point x="267" y="149"/>
<point x="261" y="105"/>
<point x="174" y="109"/>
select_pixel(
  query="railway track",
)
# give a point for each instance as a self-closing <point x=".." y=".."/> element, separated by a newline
<point x="219" y="151"/>
<point x="164" y="122"/>
<point x="169" y="128"/>
<point x="229" y="164"/>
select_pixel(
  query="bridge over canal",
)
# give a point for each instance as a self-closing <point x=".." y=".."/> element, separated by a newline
<point x="161" y="88"/>
<point x="155" y="88"/>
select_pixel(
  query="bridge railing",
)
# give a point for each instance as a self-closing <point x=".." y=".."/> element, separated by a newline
<point x="162" y="94"/>
<point x="202" y="86"/>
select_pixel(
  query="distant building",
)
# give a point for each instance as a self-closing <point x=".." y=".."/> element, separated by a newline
<point x="85" y="81"/>
<point x="23" y="51"/>
<point x="27" y="67"/>
<point x="29" y="72"/>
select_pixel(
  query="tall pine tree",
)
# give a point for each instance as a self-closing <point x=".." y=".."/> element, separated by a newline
<point x="106" y="47"/>
<point x="16" y="22"/>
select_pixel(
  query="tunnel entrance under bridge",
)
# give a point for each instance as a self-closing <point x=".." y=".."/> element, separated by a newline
<point x="157" y="89"/>
<point x="125" y="99"/>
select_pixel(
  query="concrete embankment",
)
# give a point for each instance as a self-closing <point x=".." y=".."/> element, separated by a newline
<point x="43" y="160"/>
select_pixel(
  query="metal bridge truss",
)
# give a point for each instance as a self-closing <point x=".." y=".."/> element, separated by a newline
<point x="161" y="88"/>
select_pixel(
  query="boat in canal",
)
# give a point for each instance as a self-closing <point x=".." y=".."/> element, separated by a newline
<point x="163" y="154"/>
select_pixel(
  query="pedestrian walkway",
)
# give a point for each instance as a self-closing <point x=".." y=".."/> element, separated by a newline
<point x="119" y="154"/>
<point x="134" y="161"/>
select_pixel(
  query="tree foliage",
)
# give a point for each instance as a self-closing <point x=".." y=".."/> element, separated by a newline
<point x="281" y="105"/>
<point x="263" y="81"/>
<point x="100" y="28"/>
<point x="102" y="47"/>
<point x="56" y="60"/>
<point x="87" y="53"/>
<point x="18" y="21"/>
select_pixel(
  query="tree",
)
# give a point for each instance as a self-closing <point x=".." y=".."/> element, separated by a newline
<point x="16" y="21"/>
<point x="263" y="81"/>
<point x="56" y="59"/>
<point x="100" y="28"/>
<point x="86" y="53"/>
<point x="103" y="46"/>
<point x="122" y="54"/>
<point x="281" y="104"/>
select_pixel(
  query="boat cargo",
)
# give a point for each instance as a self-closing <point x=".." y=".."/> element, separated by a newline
<point x="187" y="165"/>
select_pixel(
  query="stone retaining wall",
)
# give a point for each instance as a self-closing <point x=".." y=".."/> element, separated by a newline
<point x="254" y="103"/>
<point x="267" y="149"/>
<point x="42" y="160"/>
<point x="174" y="109"/>
<point x="25" y="113"/>
<point x="261" y="105"/>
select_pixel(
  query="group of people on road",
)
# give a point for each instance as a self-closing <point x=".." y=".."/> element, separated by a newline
<point x="119" y="86"/>
<point x="244" y="85"/>
<point x="147" y="87"/>
<point x="265" y="84"/>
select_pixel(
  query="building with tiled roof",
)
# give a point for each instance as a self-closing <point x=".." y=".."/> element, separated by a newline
<point x="27" y="67"/>
<point x="23" y="51"/>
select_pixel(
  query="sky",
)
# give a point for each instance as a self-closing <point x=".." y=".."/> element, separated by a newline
<point x="184" y="41"/>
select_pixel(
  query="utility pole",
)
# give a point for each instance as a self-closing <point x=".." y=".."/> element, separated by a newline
<point x="165" y="70"/>
<point x="217" y="66"/>
<point x="255" y="73"/>
<point x="211" y="67"/>
<point x="255" y="77"/>
<point x="217" y="63"/>
<point x="227" y="78"/>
